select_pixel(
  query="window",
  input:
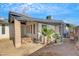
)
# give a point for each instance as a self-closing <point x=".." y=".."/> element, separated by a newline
<point x="43" y="26"/>
<point x="34" y="28"/>
<point x="31" y="29"/>
<point x="3" y="29"/>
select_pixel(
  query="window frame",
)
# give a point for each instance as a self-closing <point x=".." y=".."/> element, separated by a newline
<point x="3" y="28"/>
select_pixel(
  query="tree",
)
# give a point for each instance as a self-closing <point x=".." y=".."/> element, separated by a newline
<point x="48" y="17"/>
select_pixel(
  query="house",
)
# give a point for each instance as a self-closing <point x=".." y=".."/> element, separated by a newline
<point x="21" y="26"/>
<point x="69" y="29"/>
<point x="4" y="29"/>
<point x="66" y="30"/>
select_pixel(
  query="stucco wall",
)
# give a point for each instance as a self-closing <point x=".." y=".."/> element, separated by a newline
<point x="23" y="30"/>
<point x="39" y="27"/>
<point x="26" y="29"/>
<point x="11" y="30"/>
<point x="57" y="28"/>
<point x="17" y="28"/>
<point x="36" y="30"/>
<point x="39" y="30"/>
<point x="6" y="35"/>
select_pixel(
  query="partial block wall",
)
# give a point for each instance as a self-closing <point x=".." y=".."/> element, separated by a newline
<point x="17" y="27"/>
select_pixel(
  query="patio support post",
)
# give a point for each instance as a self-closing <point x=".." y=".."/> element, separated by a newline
<point x="62" y="30"/>
<point x="17" y="28"/>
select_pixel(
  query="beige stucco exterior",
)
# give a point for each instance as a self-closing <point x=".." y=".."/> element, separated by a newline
<point x="38" y="28"/>
<point x="11" y="30"/>
<point x="58" y="28"/>
<point x="6" y="35"/>
<point x="17" y="29"/>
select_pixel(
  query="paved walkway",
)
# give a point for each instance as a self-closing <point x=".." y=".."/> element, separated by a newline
<point x="65" y="49"/>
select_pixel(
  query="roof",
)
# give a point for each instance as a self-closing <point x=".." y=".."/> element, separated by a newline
<point x="3" y="22"/>
<point x="68" y="24"/>
<point x="77" y="26"/>
<point x="24" y="18"/>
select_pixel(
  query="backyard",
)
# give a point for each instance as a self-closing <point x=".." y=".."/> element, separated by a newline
<point x="66" y="49"/>
<point x="7" y="48"/>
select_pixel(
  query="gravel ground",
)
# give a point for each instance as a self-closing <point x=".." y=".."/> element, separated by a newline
<point x="65" y="49"/>
<point x="7" y="48"/>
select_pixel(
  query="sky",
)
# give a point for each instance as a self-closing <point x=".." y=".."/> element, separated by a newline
<point x="68" y="12"/>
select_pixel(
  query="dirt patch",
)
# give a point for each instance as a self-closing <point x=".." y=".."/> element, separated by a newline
<point x="46" y="53"/>
<point x="65" y="49"/>
<point x="7" y="48"/>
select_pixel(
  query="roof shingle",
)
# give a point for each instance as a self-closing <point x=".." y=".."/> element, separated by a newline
<point x="22" y="17"/>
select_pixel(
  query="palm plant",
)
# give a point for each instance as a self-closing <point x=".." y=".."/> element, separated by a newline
<point x="47" y="33"/>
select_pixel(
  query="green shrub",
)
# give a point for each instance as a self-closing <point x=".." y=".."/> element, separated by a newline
<point x="50" y="33"/>
<point x="57" y="37"/>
